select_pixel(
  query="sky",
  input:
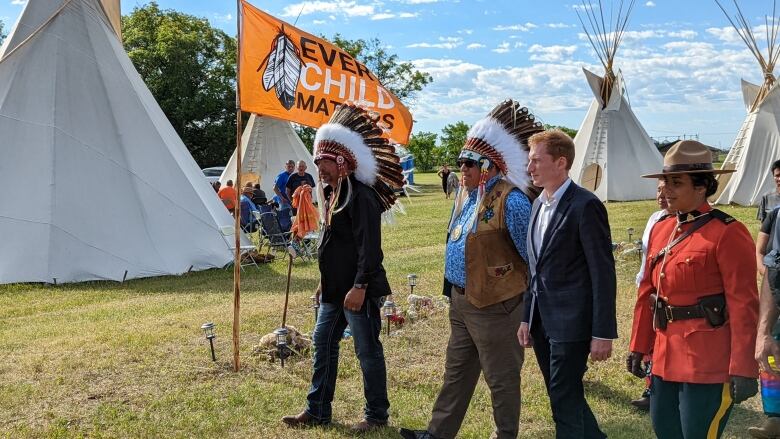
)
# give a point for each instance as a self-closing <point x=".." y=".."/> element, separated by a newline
<point x="681" y="60"/>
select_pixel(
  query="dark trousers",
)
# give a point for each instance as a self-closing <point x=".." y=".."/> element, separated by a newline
<point x="481" y="340"/>
<point x="366" y="326"/>
<point x="563" y="366"/>
<point x="688" y="410"/>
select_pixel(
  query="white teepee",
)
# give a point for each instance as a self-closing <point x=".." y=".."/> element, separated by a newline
<point x="266" y="145"/>
<point x="758" y="141"/>
<point x="98" y="183"/>
<point x="612" y="149"/>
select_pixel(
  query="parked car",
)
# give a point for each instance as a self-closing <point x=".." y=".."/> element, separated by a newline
<point x="213" y="174"/>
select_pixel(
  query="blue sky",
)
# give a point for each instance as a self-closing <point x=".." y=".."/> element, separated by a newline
<point x="681" y="60"/>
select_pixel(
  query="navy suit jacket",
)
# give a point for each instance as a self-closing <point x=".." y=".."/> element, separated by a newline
<point x="573" y="280"/>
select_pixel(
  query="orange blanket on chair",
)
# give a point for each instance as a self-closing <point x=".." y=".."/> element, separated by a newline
<point x="307" y="216"/>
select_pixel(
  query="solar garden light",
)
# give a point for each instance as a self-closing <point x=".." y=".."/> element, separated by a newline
<point x="315" y="304"/>
<point x="208" y="329"/>
<point x="281" y="343"/>
<point x="412" y="278"/>
<point x="389" y="310"/>
<point x="630" y="231"/>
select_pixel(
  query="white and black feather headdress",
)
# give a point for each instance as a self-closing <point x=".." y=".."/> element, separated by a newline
<point x="353" y="138"/>
<point x="502" y="137"/>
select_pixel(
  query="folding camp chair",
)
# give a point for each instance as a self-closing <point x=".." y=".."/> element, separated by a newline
<point x="272" y="234"/>
<point x="229" y="234"/>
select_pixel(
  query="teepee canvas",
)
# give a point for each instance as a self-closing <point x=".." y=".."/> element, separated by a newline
<point x="266" y="145"/>
<point x="98" y="183"/>
<point x="758" y="141"/>
<point x="612" y="149"/>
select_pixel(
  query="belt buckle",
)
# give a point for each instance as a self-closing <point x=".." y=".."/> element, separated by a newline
<point x="668" y="312"/>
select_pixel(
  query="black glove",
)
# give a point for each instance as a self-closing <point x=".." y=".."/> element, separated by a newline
<point x="634" y="364"/>
<point x="743" y="388"/>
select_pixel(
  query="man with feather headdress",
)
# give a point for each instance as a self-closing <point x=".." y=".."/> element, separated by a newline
<point x="360" y="170"/>
<point x="486" y="272"/>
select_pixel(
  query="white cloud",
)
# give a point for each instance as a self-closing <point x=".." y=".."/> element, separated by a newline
<point x="444" y="43"/>
<point x="502" y="48"/>
<point x="318" y="22"/>
<point x="420" y="2"/>
<point x="554" y="53"/>
<point x="686" y="34"/>
<point x="516" y="27"/>
<point x="217" y="17"/>
<point x="348" y="8"/>
<point x="382" y="16"/>
<point x="19" y="2"/>
<point x="473" y="46"/>
<point x="466" y="31"/>
<point x="650" y="4"/>
<point x="559" y="25"/>
<point x="388" y="15"/>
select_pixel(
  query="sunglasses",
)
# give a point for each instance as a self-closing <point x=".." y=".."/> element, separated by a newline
<point x="468" y="162"/>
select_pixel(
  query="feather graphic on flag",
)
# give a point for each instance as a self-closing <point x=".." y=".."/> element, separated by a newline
<point x="282" y="69"/>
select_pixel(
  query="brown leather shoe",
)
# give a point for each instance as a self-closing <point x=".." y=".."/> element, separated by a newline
<point x="770" y="429"/>
<point x="302" y="419"/>
<point x="366" y="425"/>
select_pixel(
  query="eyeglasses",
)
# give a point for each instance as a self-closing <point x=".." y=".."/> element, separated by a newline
<point x="468" y="162"/>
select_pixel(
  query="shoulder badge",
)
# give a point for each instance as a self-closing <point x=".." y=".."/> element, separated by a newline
<point x="722" y="216"/>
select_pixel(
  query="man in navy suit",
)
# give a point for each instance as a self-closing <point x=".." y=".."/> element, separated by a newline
<point x="570" y="313"/>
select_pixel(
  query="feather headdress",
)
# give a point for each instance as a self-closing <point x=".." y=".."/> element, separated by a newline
<point x="353" y="139"/>
<point x="501" y="138"/>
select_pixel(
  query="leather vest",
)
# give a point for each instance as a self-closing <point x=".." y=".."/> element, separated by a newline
<point x="495" y="271"/>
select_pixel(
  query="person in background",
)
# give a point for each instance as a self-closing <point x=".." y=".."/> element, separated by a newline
<point x="248" y="220"/>
<point x="258" y="195"/>
<point x="568" y="316"/>
<point x="771" y="199"/>
<point x="280" y="186"/>
<point x="452" y="184"/>
<point x="216" y="185"/>
<point x="228" y="196"/>
<point x="697" y="307"/>
<point x="767" y="347"/>
<point x="643" y="402"/>
<point x="298" y="179"/>
<point x="444" y="174"/>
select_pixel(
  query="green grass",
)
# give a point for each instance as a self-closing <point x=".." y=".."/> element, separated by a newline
<point x="129" y="360"/>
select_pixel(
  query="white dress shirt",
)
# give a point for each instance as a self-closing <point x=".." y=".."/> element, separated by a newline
<point x="546" y="211"/>
<point x="645" y="239"/>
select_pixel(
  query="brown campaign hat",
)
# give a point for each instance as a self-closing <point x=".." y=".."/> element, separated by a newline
<point x="688" y="157"/>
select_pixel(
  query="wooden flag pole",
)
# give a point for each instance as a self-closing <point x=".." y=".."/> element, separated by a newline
<point x="237" y="262"/>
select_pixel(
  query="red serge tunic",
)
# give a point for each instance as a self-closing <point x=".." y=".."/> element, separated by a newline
<point x="717" y="258"/>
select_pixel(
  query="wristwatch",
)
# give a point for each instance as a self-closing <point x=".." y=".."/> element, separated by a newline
<point x="360" y="286"/>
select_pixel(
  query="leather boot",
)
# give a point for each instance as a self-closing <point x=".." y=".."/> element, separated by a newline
<point x="302" y="419"/>
<point x="366" y="425"/>
<point x="770" y="429"/>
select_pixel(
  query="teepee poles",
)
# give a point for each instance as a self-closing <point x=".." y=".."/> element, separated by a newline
<point x="605" y="36"/>
<point x="745" y="32"/>
<point x="237" y="261"/>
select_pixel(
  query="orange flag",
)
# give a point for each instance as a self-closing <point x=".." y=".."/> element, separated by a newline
<point x="293" y="75"/>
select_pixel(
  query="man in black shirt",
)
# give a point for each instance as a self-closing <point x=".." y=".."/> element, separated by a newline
<point x="352" y="278"/>
<point x="298" y="179"/>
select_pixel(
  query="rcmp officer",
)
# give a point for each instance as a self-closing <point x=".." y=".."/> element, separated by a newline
<point x="697" y="306"/>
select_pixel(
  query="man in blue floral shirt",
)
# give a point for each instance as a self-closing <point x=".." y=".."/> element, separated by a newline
<point x="486" y="273"/>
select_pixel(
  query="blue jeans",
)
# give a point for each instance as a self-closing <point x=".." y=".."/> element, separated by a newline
<point x="366" y="326"/>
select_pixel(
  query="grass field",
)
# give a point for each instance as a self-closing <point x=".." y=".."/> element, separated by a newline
<point x="129" y="360"/>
